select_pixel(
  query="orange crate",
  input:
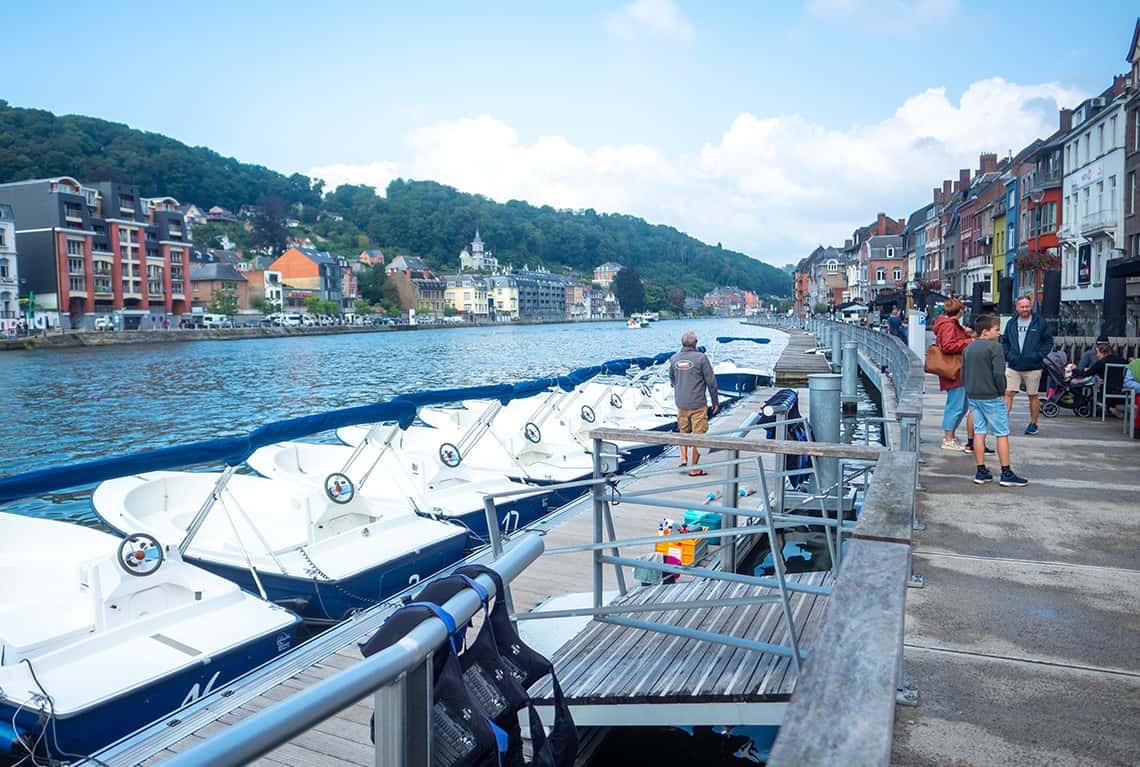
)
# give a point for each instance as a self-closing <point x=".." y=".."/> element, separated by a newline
<point x="688" y="550"/>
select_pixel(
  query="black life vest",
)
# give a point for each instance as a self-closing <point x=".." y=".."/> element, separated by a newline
<point x="527" y="666"/>
<point x="463" y="735"/>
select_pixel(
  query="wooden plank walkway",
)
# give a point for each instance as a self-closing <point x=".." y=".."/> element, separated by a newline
<point x="615" y="667"/>
<point x="795" y="363"/>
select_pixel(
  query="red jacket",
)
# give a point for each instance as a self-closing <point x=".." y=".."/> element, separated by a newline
<point x="951" y="339"/>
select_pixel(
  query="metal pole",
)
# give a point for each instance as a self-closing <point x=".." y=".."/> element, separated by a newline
<point x="850" y="395"/>
<point x="731" y="486"/>
<point x="200" y="517"/>
<point x="598" y="493"/>
<point x="389" y="726"/>
<point x="824" y="415"/>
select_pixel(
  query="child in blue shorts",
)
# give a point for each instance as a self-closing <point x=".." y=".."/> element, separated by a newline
<point x="983" y="373"/>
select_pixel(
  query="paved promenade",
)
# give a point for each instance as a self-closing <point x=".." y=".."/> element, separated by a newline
<point x="1025" y="642"/>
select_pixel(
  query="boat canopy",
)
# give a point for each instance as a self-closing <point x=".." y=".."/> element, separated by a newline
<point x="234" y="450"/>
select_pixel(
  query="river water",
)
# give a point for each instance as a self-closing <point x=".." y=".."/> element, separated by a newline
<point x="72" y="405"/>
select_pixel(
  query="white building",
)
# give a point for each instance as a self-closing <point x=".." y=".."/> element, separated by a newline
<point x="1093" y="209"/>
<point x="476" y="258"/>
<point x="9" y="275"/>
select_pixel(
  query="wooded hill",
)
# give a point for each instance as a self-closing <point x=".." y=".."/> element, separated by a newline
<point x="418" y="217"/>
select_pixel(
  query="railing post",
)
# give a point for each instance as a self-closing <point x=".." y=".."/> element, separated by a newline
<point x="598" y="494"/>
<point x="401" y="727"/>
<point x="824" y="415"/>
<point x="731" y="487"/>
<point x="850" y="396"/>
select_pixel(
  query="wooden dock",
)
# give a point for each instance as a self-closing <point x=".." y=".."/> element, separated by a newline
<point x="668" y="679"/>
<point x="797" y="363"/>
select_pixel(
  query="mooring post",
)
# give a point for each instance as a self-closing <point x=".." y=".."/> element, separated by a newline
<point x="850" y="397"/>
<point x="824" y="416"/>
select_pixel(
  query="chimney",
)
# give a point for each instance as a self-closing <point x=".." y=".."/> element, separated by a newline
<point x="1066" y="120"/>
<point x="946" y="191"/>
<point x="987" y="162"/>
<point x="955" y="187"/>
<point x="964" y="179"/>
<point x="937" y="195"/>
<point x="848" y="244"/>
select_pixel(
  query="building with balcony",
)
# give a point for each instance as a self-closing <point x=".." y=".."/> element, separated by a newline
<point x="467" y="295"/>
<point x="89" y="250"/>
<point x="309" y="272"/>
<point x="1092" y="229"/>
<point x="9" y="273"/>
<point x="1132" y="160"/>
<point x="502" y="298"/>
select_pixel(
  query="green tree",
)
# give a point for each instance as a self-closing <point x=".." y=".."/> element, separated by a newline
<point x="362" y="307"/>
<point x="223" y="302"/>
<point x="629" y="291"/>
<point x="676" y="300"/>
<point x="269" y="232"/>
<point x="313" y="305"/>
<point x="819" y="308"/>
<point x="449" y="310"/>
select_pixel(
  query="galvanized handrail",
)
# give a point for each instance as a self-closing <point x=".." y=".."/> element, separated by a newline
<point x="399" y="677"/>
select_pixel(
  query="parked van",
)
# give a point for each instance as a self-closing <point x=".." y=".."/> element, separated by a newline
<point x="291" y="320"/>
<point x="215" y="321"/>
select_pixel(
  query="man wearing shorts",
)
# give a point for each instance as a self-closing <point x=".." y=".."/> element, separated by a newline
<point x="1025" y="343"/>
<point x="691" y="374"/>
<point x="984" y="375"/>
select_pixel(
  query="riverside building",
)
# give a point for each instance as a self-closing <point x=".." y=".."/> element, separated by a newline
<point x="101" y="249"/>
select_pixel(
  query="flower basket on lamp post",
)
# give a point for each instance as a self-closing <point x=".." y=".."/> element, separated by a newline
<point x="1038" y="262"/>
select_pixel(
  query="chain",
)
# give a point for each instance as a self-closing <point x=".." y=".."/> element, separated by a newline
<point x="315" y="571"/>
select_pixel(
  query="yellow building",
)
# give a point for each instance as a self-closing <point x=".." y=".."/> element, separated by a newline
<point x="998" y="248"/>
<point x="467" y="296"/>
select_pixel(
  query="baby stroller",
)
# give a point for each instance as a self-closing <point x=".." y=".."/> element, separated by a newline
<point x="1063" y="393"/>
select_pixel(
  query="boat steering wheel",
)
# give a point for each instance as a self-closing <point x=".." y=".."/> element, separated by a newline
<point x="140" y="554"/>
<point x="339" y="488"/>
<point x="532" y="432"/>
<point x="450" y="456"/>
<point x="587" y="414"/>
<point x="615" y="400"/>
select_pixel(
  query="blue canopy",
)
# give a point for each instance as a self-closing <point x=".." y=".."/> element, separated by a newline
<point x="730" y="339"/>
<point x="234" y="450"/>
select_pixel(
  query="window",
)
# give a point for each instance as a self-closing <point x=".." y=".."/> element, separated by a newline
<point x="4" y="268"/>
<point x="3" y="234"/>
<point x="1100" y="139"/>
<point x="1131" y="193"/>
<point x="1049" y="217"/>
<point x="1112" y="191"/>
<point x="897" y="273"/>
<point x="1088" y="146"/>
<point x="890" y="252"/>
<point x="1100" y="195"/>
<point x="1068" y="155"/>
<point x="881" y="274"/>
<point x="1112" y="132"/>
<point x="75" y="247"/>
<point x="1136" y="130"/>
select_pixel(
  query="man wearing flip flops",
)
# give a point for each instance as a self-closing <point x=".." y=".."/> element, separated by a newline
<point x="691" y="374"/>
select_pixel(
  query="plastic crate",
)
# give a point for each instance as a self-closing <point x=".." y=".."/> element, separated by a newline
<point x="688" y="550"/>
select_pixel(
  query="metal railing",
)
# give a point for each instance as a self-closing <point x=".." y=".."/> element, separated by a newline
<point x="399" y="678"/>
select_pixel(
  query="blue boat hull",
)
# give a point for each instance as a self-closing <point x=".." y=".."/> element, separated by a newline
<point x="741" y="383"/>
<point x="334" y="600"/>
<point x="84" y="732"/>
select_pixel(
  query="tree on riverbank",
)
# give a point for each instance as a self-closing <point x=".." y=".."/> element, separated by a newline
<point x="629" y="291"/>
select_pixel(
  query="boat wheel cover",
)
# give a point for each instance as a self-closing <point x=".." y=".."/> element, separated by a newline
<point x="615" y="400"/>
<point x="449" y="455"/>
<point x="587" y="414"/>
<point x="339" y="488"/>
<point x="140" y="554"/>
<point x="532" y="432"/>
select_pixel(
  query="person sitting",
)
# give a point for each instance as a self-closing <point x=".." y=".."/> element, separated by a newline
<point x="1094" y="373"/>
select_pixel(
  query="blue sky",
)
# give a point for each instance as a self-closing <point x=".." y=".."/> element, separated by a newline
<point x="768" y="126"/>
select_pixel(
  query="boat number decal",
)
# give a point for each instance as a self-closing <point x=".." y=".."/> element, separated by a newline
<point x="587" y="414"/>
<point x="414" y="579"/>
<point x="284" y="642"/>
<point x="532" y="432"/>
<point x="615" y="400"/>
<point x="449" y="454"/>
<point x="140" y="554"/>
<point x="195" y="693"/>
<point x="511" y="521"/>
<point x="339" y="488"/>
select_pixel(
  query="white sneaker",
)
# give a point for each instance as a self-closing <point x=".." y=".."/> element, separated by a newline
<point x="951" y="444"/>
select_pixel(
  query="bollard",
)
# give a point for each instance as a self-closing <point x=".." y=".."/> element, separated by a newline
<point x="824" y="416"/>
<point x="850" y="397"/>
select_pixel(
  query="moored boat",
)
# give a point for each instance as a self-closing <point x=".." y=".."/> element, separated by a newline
<point x="323" y="552"/>
<point x="101" y="636"/>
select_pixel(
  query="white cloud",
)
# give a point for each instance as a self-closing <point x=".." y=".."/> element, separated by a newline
<point x="772" y="186"/>
<point x="656" y="18"/>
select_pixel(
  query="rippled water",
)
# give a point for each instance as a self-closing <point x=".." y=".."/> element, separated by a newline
<point x="78" y="404"/>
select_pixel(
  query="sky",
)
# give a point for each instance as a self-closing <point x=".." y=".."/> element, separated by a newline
<point x="769" y="126"/>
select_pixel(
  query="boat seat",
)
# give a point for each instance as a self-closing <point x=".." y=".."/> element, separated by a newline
<point x="67" y="617"/>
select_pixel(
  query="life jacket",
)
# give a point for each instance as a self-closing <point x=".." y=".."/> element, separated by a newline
<point x="463" y="735"/>
<point x="527" y="666"/>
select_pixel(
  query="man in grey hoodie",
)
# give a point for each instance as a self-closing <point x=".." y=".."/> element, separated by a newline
<point x="691" y="375"/>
